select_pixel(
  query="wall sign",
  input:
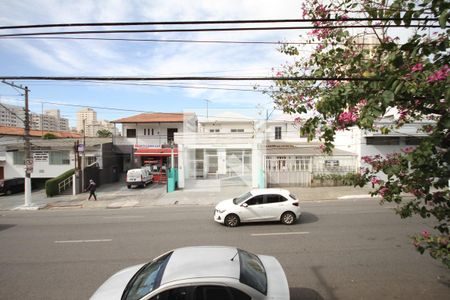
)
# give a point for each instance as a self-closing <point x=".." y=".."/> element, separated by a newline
<point x="40" y="156"/>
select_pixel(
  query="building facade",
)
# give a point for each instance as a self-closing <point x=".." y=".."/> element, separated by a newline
<point x="148" y="139"/>
<point x="49" y="121"/>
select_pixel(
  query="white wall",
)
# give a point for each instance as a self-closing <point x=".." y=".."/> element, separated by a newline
<point x="41" y="169"/>
<point x="159" y="136"/>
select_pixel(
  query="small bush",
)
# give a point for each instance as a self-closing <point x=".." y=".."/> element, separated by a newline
<point x="346" y="179"/>
<point x="51" y="185"/>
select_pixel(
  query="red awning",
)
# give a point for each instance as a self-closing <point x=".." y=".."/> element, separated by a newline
<point x="156" y="152"/>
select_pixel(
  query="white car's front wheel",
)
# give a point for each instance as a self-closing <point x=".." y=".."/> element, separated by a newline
<point x="231" y="220"/>
<point x="288" y="218"/>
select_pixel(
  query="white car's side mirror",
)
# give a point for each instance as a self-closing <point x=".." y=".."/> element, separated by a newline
<point x="244" y="205"/>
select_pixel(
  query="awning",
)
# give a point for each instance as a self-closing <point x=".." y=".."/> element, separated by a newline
<point x="156" y="152"/>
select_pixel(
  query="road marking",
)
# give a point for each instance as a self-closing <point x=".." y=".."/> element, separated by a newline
<point x="121" y="217"/>
<point x="83" y="241"/>
<point x="279" y="233"/>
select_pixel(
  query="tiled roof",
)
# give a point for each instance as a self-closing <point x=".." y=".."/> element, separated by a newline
<point x="17" y="131"/>
<point x="153" y="118"/>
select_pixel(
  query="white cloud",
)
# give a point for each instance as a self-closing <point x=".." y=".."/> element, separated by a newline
<point x="69" y="57"/>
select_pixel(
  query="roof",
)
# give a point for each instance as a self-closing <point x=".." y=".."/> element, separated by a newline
<point x="153" y="118"/>
<point x="269" y="191"/>
<point x="202" y="261"/>
<point x="59" y="143"/>
<point x="311" y="149"/>
<point x="17" y="131"/>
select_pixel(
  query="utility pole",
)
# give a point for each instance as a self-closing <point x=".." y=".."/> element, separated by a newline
<point x="83" y="157"/>
<point x="27" y="146"/>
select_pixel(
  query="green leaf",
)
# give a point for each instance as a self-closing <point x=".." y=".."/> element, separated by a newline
<point x="443" y="18"/>
<point x="397" y="19"/>
<point x="388" y="97"/>
<point x="407" y="18"/>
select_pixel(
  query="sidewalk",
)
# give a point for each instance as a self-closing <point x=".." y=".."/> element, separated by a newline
<point x="118" y="196"/>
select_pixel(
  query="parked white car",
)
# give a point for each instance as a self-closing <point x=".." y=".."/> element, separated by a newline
<point x="259" y="205"/>
<point x="139" y="177"/>
<point x="199" y="273"/>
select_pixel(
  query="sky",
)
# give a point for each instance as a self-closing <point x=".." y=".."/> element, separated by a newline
<point x="53" y="57"/>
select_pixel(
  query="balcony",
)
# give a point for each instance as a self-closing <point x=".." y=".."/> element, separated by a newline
<point x="191" y="139"/>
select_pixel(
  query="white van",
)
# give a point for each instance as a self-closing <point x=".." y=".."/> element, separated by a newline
<point x="139" y="177"/>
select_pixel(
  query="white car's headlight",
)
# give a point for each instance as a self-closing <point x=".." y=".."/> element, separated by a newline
<point x="220" y="211"/>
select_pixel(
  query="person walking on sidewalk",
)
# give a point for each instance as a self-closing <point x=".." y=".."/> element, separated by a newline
<point x="91" y="188"/>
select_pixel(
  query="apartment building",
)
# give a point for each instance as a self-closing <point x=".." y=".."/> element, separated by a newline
<point x="12" y="115"/>
<point x="49" y="121"/>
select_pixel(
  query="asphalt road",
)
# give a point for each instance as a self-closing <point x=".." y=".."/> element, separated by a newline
<point x="345" y="249"/>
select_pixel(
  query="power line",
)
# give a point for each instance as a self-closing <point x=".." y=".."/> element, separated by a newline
<point x="217" y="29"/>
<point x="205" y="22"/>
<point x="185" y="78"/>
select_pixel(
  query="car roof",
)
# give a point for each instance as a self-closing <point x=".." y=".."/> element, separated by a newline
<point x="255" y="192"/>
<point x="202" y="262"/>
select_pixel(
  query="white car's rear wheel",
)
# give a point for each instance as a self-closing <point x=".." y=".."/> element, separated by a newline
<point x="232" y="220"/>
<point x="288" y="218"/>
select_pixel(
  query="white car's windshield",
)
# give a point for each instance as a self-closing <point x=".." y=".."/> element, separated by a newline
<point x="241" y="198"/>
<point x="146" y="279"/>
<point x="252" y="272"/>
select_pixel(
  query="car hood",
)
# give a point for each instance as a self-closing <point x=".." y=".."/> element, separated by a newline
<point x="225" y="204"/>
<point x="113" y="288"/>
<point x="277" y="285"/>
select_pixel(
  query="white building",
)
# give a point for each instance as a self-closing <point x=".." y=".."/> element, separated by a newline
<point x="87" y="122"/>
<point x="148" y="138"/>
<point x="86" y="119"/>
<point x="233" y="148"/>
<point x="49" y="121"/>
<point x="12" y="115"/>
<point x="371" y="143"/>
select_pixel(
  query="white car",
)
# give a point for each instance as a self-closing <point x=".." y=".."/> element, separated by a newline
<point x="139" y="177"/>
<point x="259" y="205"/>
<point x="199" y="273"/>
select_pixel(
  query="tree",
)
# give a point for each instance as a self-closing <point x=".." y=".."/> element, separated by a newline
<point x="49" y="136"/>
<point x="354" y="83"/>
<point x="103" y="133"/>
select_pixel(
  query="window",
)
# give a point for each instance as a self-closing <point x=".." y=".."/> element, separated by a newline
<point x="214" y="130"/>
<point x="278" y="133"/>
<point x="211" y="293"/>
<point x="382" y="140"/>
<point x="147" y="279"/>
<point x="90" y="160"/>
<point x="145" y="131"/>
<point x="242" y="198"/>
<point x="19" y="158"/>
<point x="131" y="133"/>
<point x="237" y="130"/>
<point x="412" y="140"/>
<point x="273" y="199"/>
<point x="252" y="272"/>
<point x="170" y="134"/>
<point x="256" y="200"/>
<point x="181" y="293"/>
<point x="59" y="158"/>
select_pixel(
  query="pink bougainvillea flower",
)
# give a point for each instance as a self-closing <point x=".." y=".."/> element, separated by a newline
<point x="367" y="159"/>
<point x="408" y="150"/>
<point x="383" y="191"/>
<point x="375" y="180"/>
<point x="439" y="75"/>
<point x="417" y="68"/>
<point x="425" y="234"/>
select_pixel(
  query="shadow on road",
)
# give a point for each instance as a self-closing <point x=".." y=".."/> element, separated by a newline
<point x="307" y="218"/>
<point x="6" y="226"/>
<point x="304" y="294"/>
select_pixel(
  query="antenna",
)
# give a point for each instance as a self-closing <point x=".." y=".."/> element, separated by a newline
<point x="232" y="259"/>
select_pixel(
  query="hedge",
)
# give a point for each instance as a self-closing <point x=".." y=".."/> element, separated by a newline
<point x="51" y="185"/>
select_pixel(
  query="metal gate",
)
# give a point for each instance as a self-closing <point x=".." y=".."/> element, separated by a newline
<point x="288" y="170"/>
